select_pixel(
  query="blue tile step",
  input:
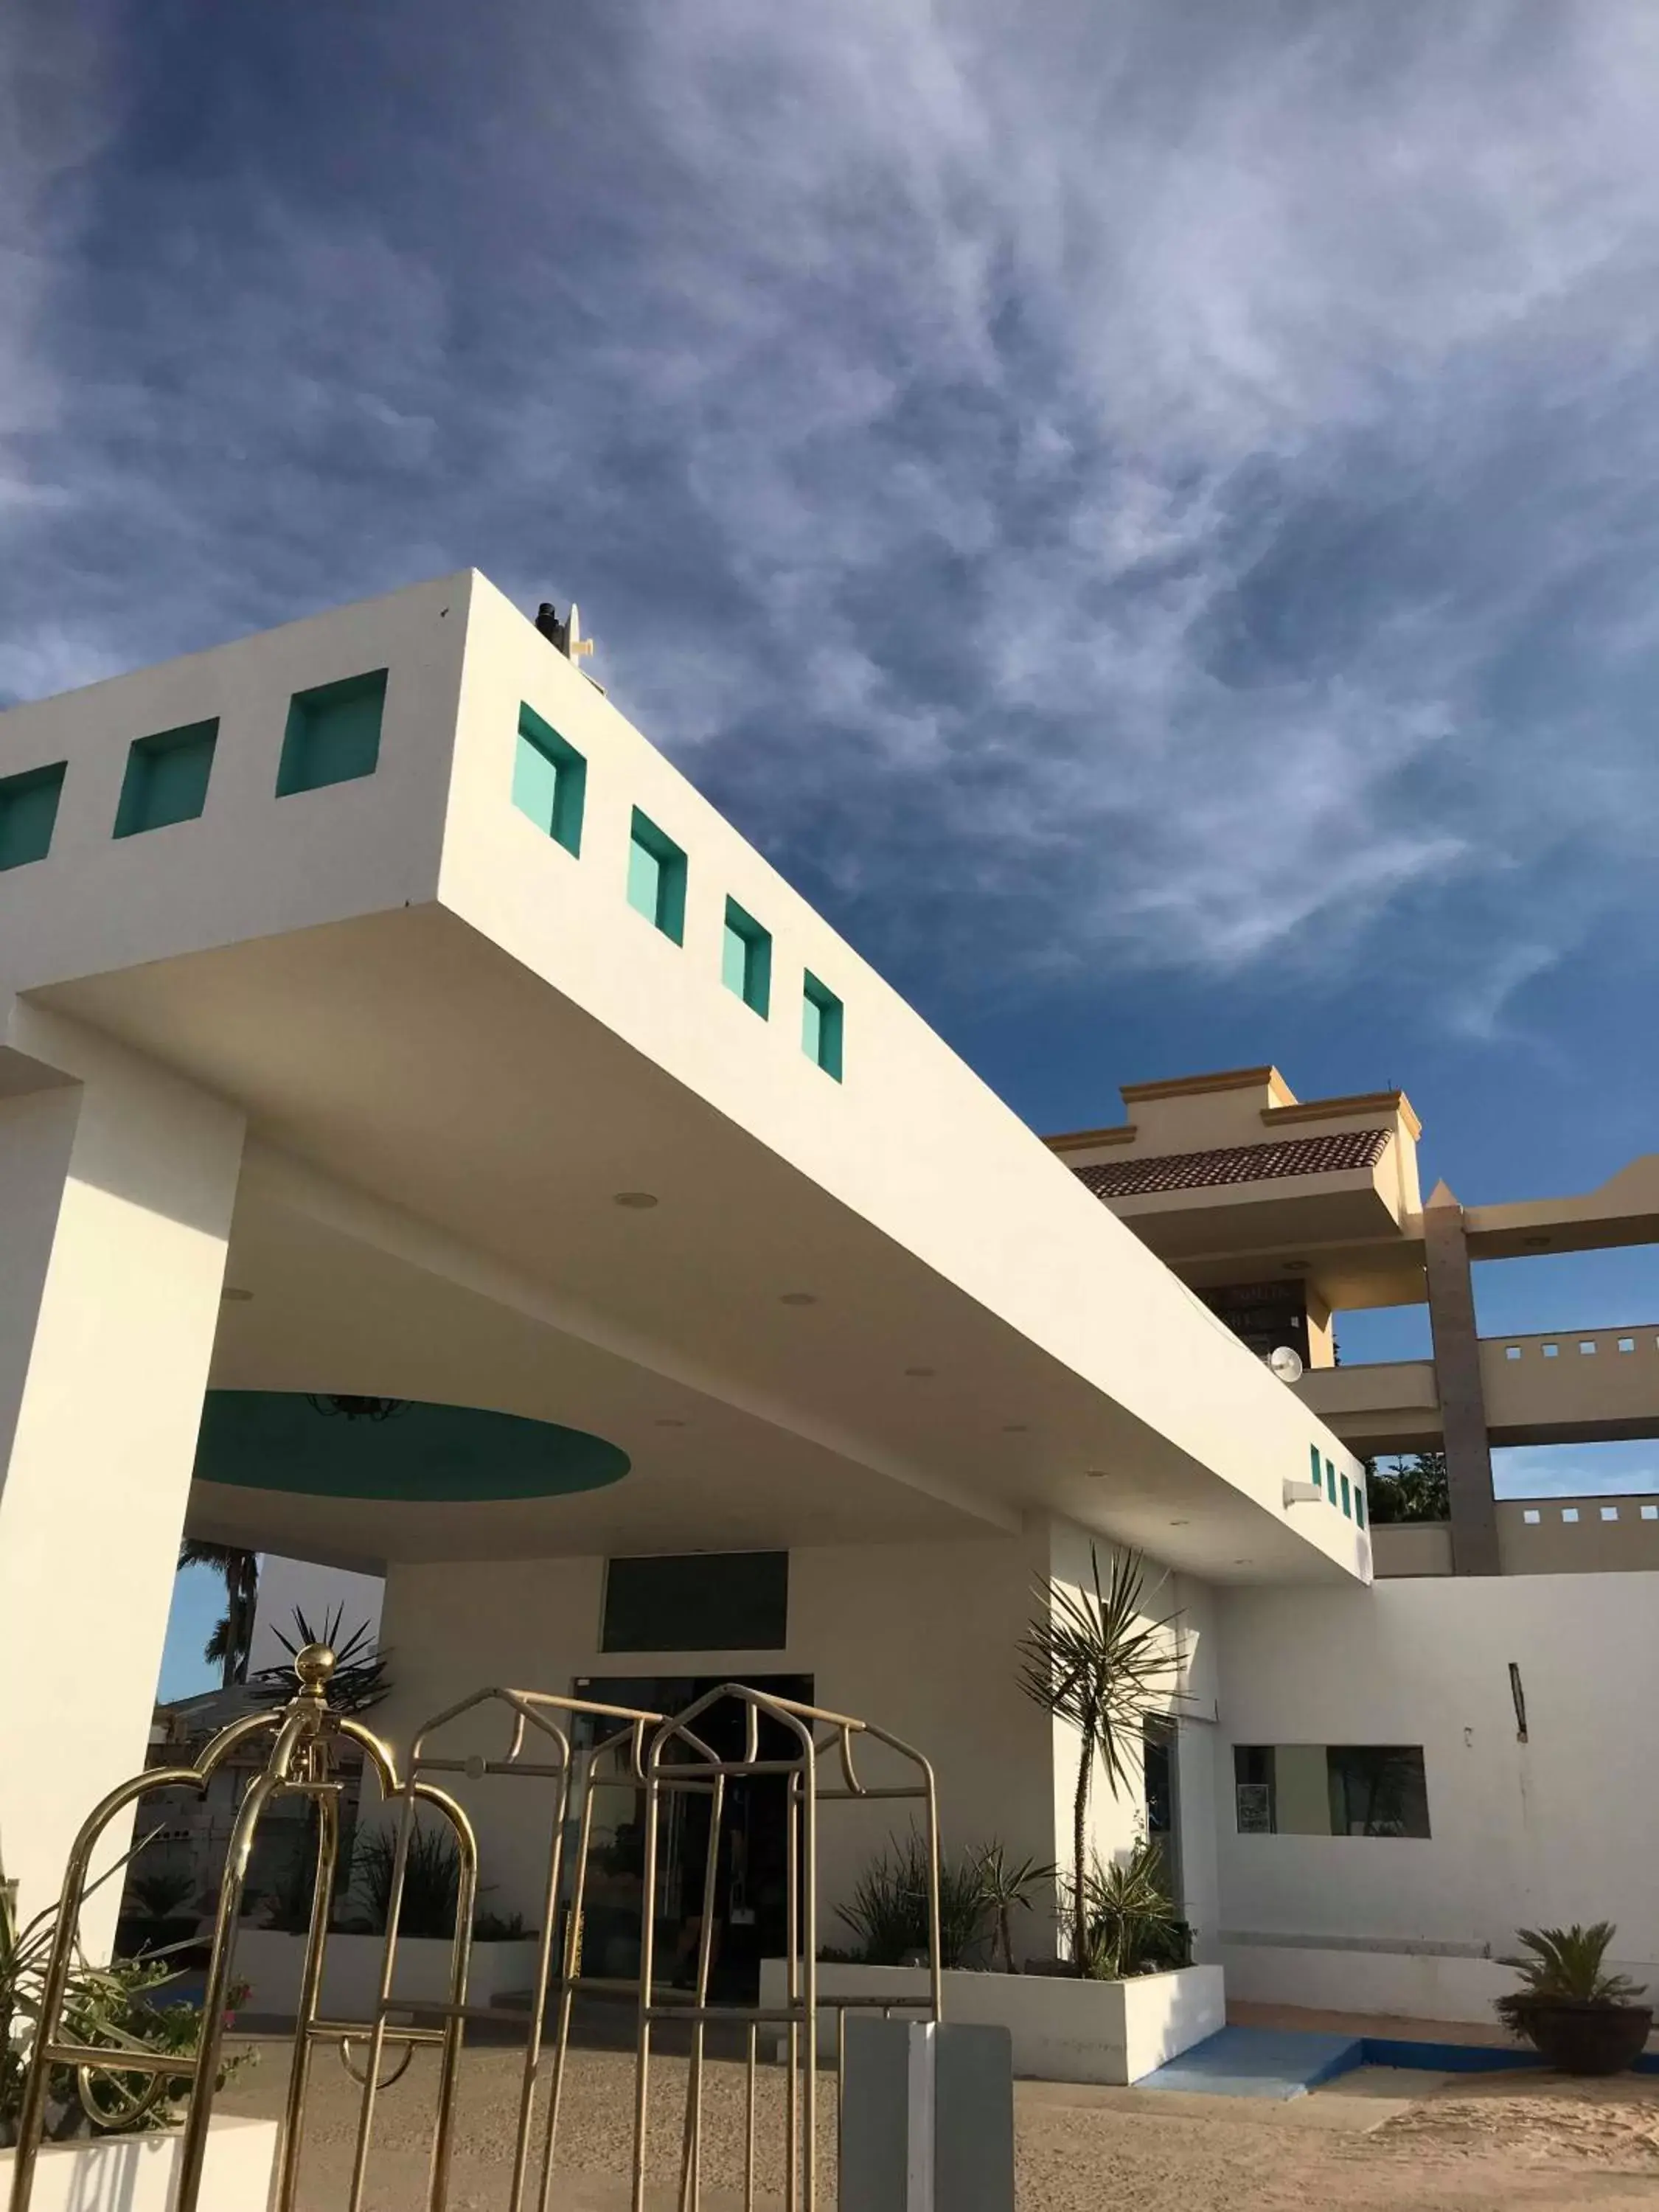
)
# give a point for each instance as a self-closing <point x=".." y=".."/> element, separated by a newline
<point x="1258" y="2062"/>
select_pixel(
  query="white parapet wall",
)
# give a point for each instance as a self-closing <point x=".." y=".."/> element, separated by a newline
<point x="1063" y="2030"/>
<point x="1399" y="1985"/>
<point x="137" y="2173"/>
<point x="269" y="1962"/>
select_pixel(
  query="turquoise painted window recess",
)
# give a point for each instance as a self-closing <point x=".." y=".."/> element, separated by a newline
<point x="1318" y="1477"/>
<point x="1330" y="1480"/>
<point x="549" y="782"/>
<point x="822" y="1025"/>
<point x="28" y="813"/>
<point x="746" y="959"/>
<point x="1347" y="1501"/>
<point x="333" y="734"/>
<point x="656" y="878"/>
<point x="166" y="778"/>
<point x="1359" y="1506"/>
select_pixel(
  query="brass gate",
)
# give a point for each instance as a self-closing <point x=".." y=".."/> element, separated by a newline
<point x="652" y="1755"/>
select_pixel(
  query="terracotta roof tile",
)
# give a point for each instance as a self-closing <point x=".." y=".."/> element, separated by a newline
<point x="1292" y="1155"/>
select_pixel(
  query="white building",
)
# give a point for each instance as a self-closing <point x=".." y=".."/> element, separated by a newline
<point x="381" y="1017"/>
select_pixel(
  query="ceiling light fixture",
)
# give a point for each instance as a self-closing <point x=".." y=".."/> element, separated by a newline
<point x="341" y="1407"/>
<point x="668" y="1421"/>
<point x="1016" y="1428"/>
<point x="798" y="1298"/>
<point x="235" y="1298"/>
<point x="637" y="1201"/>
<point x="1096" y="1474"/>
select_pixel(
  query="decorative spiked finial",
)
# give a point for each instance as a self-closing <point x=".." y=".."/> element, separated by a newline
<point x="313" y="1663"/>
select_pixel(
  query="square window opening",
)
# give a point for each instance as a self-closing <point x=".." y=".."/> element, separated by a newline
<point x="1587" y="1349"/>
<point x="1511" y="1351"/>
<point x="166" y="778"/>
<point x="1628" y="1343"/>
<point x="1609" y="1512"/>
<point x="549" y="782"/>
<point x="697" y="1602"/>
<point x="28" y="813"/>
<point x="746" y="959"/>
<point x="1552" y="1351"/>
<point x="1330" y="1480"/>
<point x="1531" y="1516"/>
<point x="1569" y="1512"/>
<point x="333" y="734"/>
<point x="1651" y="1512"/>
<point x="822" y="1026"/>
<point x="656" y="878"/>
<point x="1348" y="1500"/>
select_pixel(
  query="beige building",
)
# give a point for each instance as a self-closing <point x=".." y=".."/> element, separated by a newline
<point x="1282" y="1213"/>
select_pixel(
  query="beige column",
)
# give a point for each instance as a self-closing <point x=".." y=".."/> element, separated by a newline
<point x="1463" y="1398"/>
<point x="116" y="1184"/>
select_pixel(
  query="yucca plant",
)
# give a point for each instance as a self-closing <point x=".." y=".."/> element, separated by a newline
<point x="1563" y="1966"/>
<point x="1131" y="1919"/>
<point x="1006" y="1884"/>
<point x="1094" y="1659"/>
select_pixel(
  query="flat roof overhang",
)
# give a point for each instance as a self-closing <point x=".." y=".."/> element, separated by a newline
<point x="437" y="1141"/>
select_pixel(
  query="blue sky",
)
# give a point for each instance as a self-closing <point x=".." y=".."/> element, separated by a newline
<point x="1150" y="521"/>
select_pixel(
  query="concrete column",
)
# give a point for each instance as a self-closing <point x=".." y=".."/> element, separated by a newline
<point x="116" y="1184"/>
<point x="1462" y="1399"/>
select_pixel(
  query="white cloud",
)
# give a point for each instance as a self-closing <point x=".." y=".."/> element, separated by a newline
<point x="1183" y="472"/>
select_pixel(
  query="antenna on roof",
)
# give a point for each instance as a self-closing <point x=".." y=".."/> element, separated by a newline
<point x="566" y="635"/>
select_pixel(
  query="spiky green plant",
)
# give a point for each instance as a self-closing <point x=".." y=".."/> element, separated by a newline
<point x="1093" y="1658"/>
<point x="888" y="1911"/>
<point x="1563" y="1966"/>
<point x="432" y="1880"/>
<point x="1131" y="1919"/>
<point x="1006" y="1885"/>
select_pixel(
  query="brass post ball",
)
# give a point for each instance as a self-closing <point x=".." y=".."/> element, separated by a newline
<point x="313" y="1663"/>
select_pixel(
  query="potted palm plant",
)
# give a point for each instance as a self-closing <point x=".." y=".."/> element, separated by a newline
<point x="1578" y="2016"/>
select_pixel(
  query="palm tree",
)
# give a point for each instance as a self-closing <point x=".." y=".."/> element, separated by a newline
<point x="1093" y="1659"/>
<point x="227" y="1647"/>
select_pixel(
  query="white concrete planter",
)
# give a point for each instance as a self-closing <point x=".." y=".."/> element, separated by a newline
<point x="1062" y="2030"/>
<point x="137" y="2174"/>
<point x="269" y="1963"/>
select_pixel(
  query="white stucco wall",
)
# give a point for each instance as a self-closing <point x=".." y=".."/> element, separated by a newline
<point x="1551" y="1830"/>
<point x="921" y="1638"/>
<point x="318" y="1592"/>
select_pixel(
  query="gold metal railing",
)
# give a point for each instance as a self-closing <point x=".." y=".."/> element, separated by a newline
<point x="645" y="1753"/>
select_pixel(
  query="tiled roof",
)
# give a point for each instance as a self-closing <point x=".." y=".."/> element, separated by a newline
<point x="1293" y="1156"/>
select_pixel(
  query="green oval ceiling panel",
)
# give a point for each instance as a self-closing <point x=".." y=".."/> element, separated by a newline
<point x="423" y="1455"/>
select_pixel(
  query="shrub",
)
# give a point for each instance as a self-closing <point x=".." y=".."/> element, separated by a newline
<point x="889" y="1907"/>
<point x="1564" y="1966"/>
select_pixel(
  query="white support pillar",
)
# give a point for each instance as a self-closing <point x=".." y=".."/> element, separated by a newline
<point x="116" y="1185"/>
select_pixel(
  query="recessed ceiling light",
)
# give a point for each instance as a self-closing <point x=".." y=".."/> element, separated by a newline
<point x="1295" y="1267"/>
<point x="1243" y="1563"/>
<point x="1016" y="1428"/>
<point x="1179" y="1524"/>
<point x="798" y="1299"/>
<point x="1536" y="1243"/>
<point x="921" y="1370"/>
<point x="1096" y="1474"/>
<point x="638" y="1202"/>
<point x="236" y="1298"/>
<point x="668" y="1421"/>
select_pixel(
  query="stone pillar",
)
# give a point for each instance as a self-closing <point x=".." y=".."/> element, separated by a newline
<point x="1463" y="1398"/>
<point x="117" y="1184"/>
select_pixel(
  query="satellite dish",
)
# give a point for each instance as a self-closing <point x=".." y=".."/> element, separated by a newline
<point x="1285" y="1364"/>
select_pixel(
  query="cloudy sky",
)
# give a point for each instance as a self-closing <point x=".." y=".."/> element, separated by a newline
<point x="1147" y="512"/>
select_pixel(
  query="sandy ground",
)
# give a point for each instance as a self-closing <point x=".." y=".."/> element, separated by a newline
<point x="1376" y="2141"/>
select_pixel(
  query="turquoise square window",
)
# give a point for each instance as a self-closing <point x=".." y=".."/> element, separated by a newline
<point x="656" y="878"/>
<point x="746" y="959"/>
<point x="28" y="813"/>
<point x="821" y="1025"/>
<point x="333" y="734"/>
<point x="166" y="778"/>
<point x="549" y="782"/>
